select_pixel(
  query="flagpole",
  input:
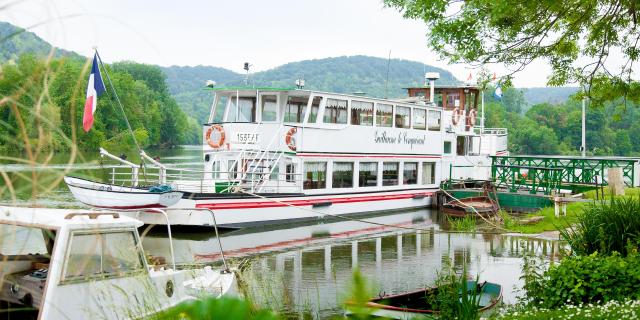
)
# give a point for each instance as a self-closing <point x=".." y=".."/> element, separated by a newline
<point x="126" y="120"/>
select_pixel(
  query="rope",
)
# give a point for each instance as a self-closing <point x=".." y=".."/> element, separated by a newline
<point x="474" y="210"/>
<point x="124" y="114"/>
<point x="421" y="230"/>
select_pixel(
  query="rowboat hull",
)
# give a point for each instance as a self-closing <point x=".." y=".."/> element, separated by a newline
<point x="472" y="206"/>
<point x="109" y="196"/>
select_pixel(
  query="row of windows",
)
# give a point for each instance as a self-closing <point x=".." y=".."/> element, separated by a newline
<point x="368" y="175"/>
<point x="336" y="111"/>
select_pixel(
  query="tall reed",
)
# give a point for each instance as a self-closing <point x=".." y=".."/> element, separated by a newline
<point x="606" y="227"/>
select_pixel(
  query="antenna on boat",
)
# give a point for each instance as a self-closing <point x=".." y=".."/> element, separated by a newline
<point x="300" y="83"/>
<point x="246" y="68"/>
<point x="386" y="82"/>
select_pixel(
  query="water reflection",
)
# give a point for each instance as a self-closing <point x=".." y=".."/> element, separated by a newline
<point x="308" y="268"/>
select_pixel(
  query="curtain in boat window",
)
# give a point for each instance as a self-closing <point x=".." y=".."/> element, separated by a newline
<point x="335" y="111"/>
<point x="433" y="121"/>
<point x="390" y="173"/>
<point x="368" y="175"/>
<point x="245" y="111"/>
<point x="361" y="113"/>
<point x="403" y="117"/>
<point x="419" y="119"/>
<point x="428" y="173"/>
<point x="315" y="175"/>
<point x="315" y="107"/>
<point x="384" y="115"/>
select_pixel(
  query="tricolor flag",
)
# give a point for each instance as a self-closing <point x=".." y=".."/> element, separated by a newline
<point x="94" y="89"/>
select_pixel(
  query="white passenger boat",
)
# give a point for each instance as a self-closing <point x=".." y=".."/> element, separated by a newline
<point x="65" y="264"/>
<point x="274" y="155"/>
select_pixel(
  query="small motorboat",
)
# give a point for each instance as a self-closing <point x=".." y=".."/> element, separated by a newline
<point x="416" y="304"/>
<point x="102" y="195"/>
<point x="482" y="205"/>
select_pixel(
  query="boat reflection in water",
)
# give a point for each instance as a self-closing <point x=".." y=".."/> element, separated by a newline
<point x="309" y="268"/>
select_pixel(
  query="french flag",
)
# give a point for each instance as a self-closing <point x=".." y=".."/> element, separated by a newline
<point x="94" y="89"/>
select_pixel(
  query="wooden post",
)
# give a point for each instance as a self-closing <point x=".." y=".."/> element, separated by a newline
<point x="615" y="181"/>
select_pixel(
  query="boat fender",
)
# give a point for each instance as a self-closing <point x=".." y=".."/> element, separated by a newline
<point x="218" y="143"/>
<point x="168" y="289"/>
<point x="290" y="140"/>
<point x="455" y="116"/>
<point x="473" y="114"/>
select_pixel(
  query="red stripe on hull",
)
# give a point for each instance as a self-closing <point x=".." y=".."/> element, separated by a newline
<point x="364" y="156"/>
<point x="299" y="203"/>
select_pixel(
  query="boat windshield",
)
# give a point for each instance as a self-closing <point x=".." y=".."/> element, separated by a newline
<point x="241" y="109"/>
<point x="17" y="240"/>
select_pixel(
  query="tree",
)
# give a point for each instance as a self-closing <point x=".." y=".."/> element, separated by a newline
<point x="575" y="37"/>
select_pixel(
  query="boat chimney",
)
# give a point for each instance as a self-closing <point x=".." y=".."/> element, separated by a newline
<point x="432" y="77"/>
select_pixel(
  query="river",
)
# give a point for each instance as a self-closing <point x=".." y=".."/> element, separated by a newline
<point x="307" y="269"/>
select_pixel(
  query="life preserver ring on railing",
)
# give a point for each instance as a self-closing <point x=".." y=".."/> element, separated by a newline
<point x="473" y="114"/>
<point x="290" y="140"/>
<point x="455" y="116"/>
<point x="215" y="143"/>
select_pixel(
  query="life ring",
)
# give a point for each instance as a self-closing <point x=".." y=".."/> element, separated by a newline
<point x="455" y="116"/>
<point x="473" y="114"/>
<point x="290" y="140"/>
<point x="215" y="144"/>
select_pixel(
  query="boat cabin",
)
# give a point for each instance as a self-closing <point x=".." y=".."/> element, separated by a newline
<point x="464" y="97"/>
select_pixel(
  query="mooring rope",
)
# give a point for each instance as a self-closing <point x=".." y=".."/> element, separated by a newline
<point x="421" y="230"/>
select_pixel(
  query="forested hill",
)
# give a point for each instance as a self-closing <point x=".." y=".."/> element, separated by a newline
<point x="15" y="41"/>
<point x="339" y="74"/>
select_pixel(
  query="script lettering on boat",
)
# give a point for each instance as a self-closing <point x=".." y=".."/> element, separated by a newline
<point x="402" y="138"/>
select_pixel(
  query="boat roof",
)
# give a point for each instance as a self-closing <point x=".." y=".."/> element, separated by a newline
<point x="447" y="86"/>
<point x="46" y="218"/>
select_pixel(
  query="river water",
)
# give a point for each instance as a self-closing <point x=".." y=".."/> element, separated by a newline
<point x="307" y="269"/>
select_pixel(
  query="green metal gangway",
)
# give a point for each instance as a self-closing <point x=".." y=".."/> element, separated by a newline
<point x="549" y="174"/>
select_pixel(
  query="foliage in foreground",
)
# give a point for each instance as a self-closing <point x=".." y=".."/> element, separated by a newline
<point x="581" y="280"/>
<point x="223" y="308"/>
<point x="606" y="227"/>
<point x="628" y="309"/>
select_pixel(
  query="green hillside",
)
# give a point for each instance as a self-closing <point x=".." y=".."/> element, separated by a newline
<point x="339" y="74"/>
<point x="15" y="41"/>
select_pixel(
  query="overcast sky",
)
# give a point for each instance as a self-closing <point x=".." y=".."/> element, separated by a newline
<point x="228" y="33"/>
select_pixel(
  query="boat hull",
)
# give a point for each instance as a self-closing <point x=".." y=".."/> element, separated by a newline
<point x="483" y="206"/>
<point x="251" y="211"/>
<point x="108" y="196"/>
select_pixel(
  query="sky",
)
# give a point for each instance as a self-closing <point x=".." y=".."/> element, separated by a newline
<point x="228" y="33"/>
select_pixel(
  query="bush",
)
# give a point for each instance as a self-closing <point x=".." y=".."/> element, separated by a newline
<point x="586" y="279"/>
<point x="606" y="227"/>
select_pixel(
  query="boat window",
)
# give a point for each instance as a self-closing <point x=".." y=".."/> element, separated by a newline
<point x="410" y="173"/>
<point x="428" y="173"/>
<point x="447" y="147"/>
<point x="362" y="113"/>
<point x="269" y="108"/>
<point x="315" y="175"/>
<point x="368" y="175"/>
<point x="438" y="99"/>
<point x="384" y="115"/>
<point x="403" y="117"/>
<point x="390" y="173"/>
<point x="290" y="172"/>
<point x="221" y="105"/>
<point x="244" y="112"/>
<point x="434" y="120"/>
<point x="275" y="172"/>
<point x="460" y="147"/>
<point x="335" y="111"/>
<point x="419" y="119"/>
<point x="342" y="175"/>
<point x="32" y="241"/>
<point x="315" y="107"/>
<point x="96" y="255"/>
<point x="295" y="109"/>
<point x="453" y="100"/>
<point x="469" y="100"/>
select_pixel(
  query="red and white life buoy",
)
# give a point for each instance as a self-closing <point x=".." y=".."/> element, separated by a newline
<point x="473" y="114"/>
<point x="215" y="143"/>
<point x="455" y="116"/>
<point x="290" y="138"/>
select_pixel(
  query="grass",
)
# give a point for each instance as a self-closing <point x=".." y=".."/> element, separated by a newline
<point x="468" y="223"/>
<point x="549" y="222"/>
<point x="628" y="192"/>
